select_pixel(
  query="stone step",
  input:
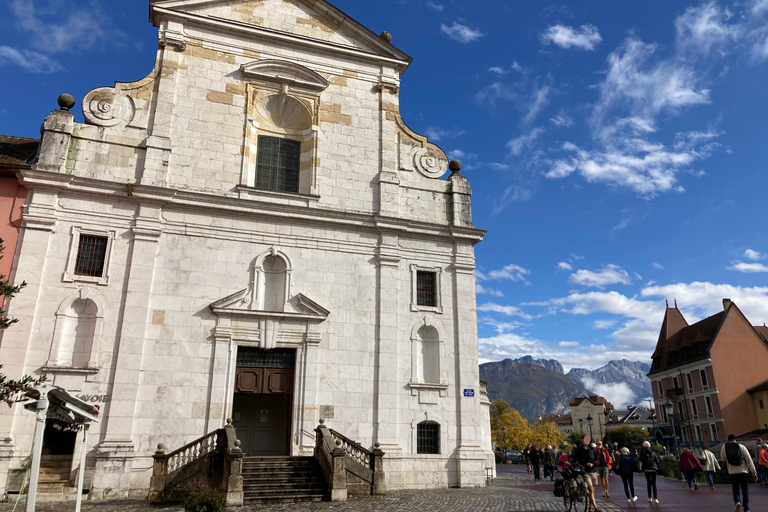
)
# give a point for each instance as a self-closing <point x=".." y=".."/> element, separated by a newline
<point x="288" y="478"/>
<point x="60" y="464"/>
<point x="55" y="458"/>
<point x="55" y="488"/>
<point x="282" y="473"/>
<point x="296" y="497"/>
<point x="53" y="478"/>
<point x="282" y="486"/>
<point x="287" y="465"/>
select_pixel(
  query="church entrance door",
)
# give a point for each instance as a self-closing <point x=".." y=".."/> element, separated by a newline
<point x="263" y="400"/>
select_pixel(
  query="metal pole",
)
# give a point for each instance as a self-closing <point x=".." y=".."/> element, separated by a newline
<point x="674" y="435"/>
<point x="37" y="450"/>
<point x="81" y="472"/>
<point x="505" y="446"/>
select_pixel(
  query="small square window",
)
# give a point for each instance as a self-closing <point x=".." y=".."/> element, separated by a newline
<point x="426" y="293"/>
<point x="761" y="405"/>
<point x="277" y="166"/>
<point x="91" y="252"/>
<point x="428" y="438"/>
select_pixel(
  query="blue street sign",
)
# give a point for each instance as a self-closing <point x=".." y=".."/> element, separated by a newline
<point x="469" y="392"/>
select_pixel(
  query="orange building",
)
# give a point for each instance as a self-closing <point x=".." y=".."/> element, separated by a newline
<point x="15" y="154"/>
<point x="706" y="369"/>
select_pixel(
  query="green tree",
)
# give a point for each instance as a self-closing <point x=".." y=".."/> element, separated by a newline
<point x="11" y="390"/>
<point x="627" y="436"/>
<point x="574" y="438"/>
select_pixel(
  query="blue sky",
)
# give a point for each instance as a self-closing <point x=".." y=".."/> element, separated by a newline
<point x="617" y="150"/>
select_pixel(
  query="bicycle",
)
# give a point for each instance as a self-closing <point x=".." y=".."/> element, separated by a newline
<point x="571" y="499"/>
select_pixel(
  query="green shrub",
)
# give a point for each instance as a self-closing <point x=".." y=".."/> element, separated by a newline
<point x="200" y="497"/>
<point x="669" y="467"/>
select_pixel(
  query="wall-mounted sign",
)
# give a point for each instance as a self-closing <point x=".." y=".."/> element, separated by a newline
<point x="469" y="392"/>
<point x="94" y="398"/>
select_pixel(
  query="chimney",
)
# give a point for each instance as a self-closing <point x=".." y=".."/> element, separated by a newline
<point x="726" y="303"/>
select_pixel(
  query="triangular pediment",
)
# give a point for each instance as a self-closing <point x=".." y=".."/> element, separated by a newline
<point x="239" y="304"/>
<point x="284" y="72"/>
<point x="307" y="19"/>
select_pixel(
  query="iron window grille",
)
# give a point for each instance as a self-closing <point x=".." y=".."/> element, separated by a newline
<point x="426" y="289"/>
<point x="91" y="254"/>
<point x="277" y="165"/>
<point x="428" y="438"/>
<point x="259" y="358"/>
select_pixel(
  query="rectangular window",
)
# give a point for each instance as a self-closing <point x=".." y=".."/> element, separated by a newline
<point x="428" y="437"/>
<point x="694" y="409"/>
<point x="661" y="389"/>
<point x="426" y="289"/>
<point x="277" y="165"/>
<point x="675" y="382"/>
<point x="715" y="435"/>
<point x="761" y="405"/>
<point x="704" y="381"/>
<point x="690" y="381"/>
<point x="698" y="433"/>
<point x="710" y="409"/>
<point x="91" y="252"/>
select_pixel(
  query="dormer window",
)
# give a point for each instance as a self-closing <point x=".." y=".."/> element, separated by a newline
<point x="277" y="167"/>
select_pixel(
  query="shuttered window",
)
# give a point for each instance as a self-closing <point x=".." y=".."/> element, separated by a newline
<point x="277" y="166"/>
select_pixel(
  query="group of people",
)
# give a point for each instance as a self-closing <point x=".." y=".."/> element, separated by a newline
<point x="597" y="462"/>
<point x="535" y="458"/>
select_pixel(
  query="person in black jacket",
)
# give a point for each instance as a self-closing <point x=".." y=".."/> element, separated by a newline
<point x="536" y="462"/>
<point x="625" y="468"/>
<point x="586" y="456"/>
<point x="651" y="463"/>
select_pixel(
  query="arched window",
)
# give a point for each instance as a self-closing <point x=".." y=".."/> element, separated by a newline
<point x="428" y="437"/>
<point x="274" y="283"/>
<point x="77" y="325"/>
<point x="428" y="355"/>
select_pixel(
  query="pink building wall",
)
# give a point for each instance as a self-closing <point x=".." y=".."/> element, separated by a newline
<point x="13" y="195"/>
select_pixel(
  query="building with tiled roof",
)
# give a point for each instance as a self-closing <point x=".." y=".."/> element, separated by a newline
<point x="707" y="369"/>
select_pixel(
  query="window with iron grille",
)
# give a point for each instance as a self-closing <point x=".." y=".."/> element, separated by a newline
<point x="428" y="437"/>
<point x="277" y="166"/>
<point x="426" y="289"/>
<point x="91" y="252"/>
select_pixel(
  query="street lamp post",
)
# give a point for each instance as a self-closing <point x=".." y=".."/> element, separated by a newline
<point x="589" y="420"/>
<point x="504" y="430"/>
<point x="670" y="408"/>
<point x="581" y="425"/>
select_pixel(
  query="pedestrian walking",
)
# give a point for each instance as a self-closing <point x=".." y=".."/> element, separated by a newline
<point x="604" y="467"/>
<point x="625" y="468"/>
<point x="688" y="465"/>
<point x="586" y="456"/>
<point x="650" y="464"/>
<point x="527" y="458"/>
<point x="740" y="468"/>
<point x="550" y="462"/>
<point x="535" y="462"/>
<point x="710" y="466"/>
<point x="762" y="462"/>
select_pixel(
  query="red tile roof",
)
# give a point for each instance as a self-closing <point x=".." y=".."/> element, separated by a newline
<point x="16" y="150"/>
<point x="596" y="400"/>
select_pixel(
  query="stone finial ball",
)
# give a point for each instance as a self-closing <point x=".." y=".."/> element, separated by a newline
<point x="338" y="442"/>
<point x="161" y="446"/>
<point x="386" y="37"/>
<point x="322" y="421"/>
<point x="66" y="101"/>
<point x="377" y="445"/>
<point x="454" y="166"/>
<point x="237" y="443"/>
<point x="229" y="421"/>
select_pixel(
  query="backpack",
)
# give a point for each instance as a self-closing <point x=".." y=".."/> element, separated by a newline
<point x="559" y="487"/>
<point x="733" y="454"/>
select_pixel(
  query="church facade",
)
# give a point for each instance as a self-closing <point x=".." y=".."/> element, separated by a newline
<point x="251" y="232"/>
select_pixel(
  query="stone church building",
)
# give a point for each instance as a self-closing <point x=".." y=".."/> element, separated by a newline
<point x="251" y="232"/>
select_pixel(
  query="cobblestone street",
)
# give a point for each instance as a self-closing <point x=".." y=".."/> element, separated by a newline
<point x="509" y="492"/>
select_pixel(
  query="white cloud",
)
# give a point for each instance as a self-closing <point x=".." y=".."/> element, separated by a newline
<point x="759" y="6"/>
<point x="564" y="266"/>
<point x="610" y="274"/>
<point x="512" y="194"/>
<point x="498" y="70"/>
<point x="658" y="266"/>
<point x="517" y="145"/>
<point x="619" y="394"/>
<point x="492" y="307"/>
<point x="510" y="272"/>
<point x="585" y="38"/>
<point x="748" y="268"/>
<point x="749" y="253"/>
<point x="66" y="25"/>
<point x="539" y="101"/>
<point x="435" y="7"/>
<point x="31" y="61"/>
<point x="436" y="134"/>
<point x="568" y="344"/>
<point x="603" y="324"/>
<point x="562" y="120"/>
<point x="494" y="92"/>
<point x="460" y="33"/>
<point x="480" y="289"/>
<point x="704" y="27"/>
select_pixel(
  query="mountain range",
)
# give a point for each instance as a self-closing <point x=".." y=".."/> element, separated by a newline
<point x="540" y="387"/>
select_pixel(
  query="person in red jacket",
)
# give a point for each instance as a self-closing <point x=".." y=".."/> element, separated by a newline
<point x="604" y="467"/>
<point x="688" y="465"/>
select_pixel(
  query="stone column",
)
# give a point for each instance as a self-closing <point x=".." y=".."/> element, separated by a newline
<point x="461" y="197"/>
<point x="388" y="383"/>
<point x="469" y="452"/>
<point x="57" y="132"/>
<point x="114" y="456"/>
<point x="379" y="480"/>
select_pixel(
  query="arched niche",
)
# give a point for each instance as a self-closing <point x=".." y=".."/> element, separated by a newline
<point x="271" y="282"/>
<point x="427" y="347"/>
<point x="76" y="330"/>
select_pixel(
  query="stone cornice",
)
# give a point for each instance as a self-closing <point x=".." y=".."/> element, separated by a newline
<point x="280" y="37"/>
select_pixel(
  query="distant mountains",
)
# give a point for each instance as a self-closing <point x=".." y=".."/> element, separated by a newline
<point x="540" y="387"/>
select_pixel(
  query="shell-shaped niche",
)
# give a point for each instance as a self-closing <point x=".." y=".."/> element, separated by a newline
<point x="285" y="113"/>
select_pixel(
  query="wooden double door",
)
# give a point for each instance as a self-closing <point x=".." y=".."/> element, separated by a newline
<point x="262" y="410"/>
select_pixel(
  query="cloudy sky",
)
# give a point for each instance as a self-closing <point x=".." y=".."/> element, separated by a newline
<point x="617" y="150"/>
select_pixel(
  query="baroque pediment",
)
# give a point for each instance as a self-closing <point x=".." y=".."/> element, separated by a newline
<point x="238" y="304"/>
<point x="306" y="19"/>
<point x="284" y="72"/>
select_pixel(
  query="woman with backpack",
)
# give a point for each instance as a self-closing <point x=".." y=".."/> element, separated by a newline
<point x="625" y="468"/>
<point x="651" y="463"/>
<point x="689" y="464"/>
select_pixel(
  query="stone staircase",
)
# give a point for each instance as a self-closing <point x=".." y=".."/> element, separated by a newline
<point x="283" y="479"/>
<point x="54" y="476"/>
